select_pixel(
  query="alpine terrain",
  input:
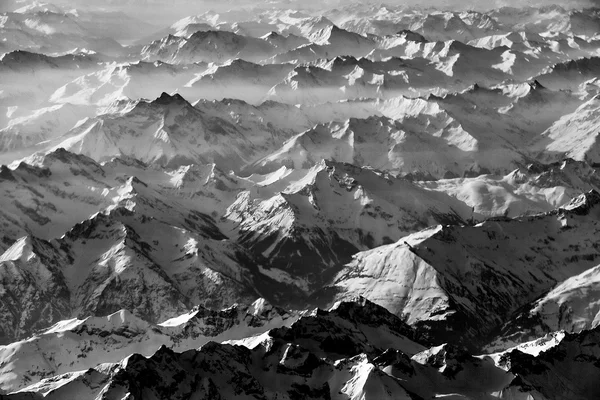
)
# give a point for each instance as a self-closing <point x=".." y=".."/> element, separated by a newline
<point x="289" y="200"/>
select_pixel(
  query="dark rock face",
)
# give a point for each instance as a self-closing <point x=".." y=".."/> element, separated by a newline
<point x="331" y="353"/>
<point x="567" y="370"/>
<point x="484" y="272"/>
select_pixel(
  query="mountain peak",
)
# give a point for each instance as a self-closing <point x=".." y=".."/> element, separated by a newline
<point x="167" y="99"/>
<point x="6" y="174"/>
<point x="271" y="34"/>
<point x="582" y="204"/>
<point x="204" y="35"/>
<point x="340" y="61"/>
<point x="20" y="57"/>
<point x="64" y="156"/>
<point x="536" y="85"/>
<point x="361" y="310"/>
<point x="412" y="36"/>
<point x="21" y="250"/>
<point x="27" y="248"/>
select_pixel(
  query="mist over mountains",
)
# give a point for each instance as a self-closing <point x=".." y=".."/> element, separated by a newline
<point x="160" y="14"/>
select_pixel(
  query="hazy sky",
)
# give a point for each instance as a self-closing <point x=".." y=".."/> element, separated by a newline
<point x="162" y="12"/>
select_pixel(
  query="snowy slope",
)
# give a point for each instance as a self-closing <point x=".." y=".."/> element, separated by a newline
<point x="140" y="80"/>
<point x="143" y="236"/>
<point x="329" y="212"/>
<point x="432" y="143"/>
<point x="208" y="46"/>
<point x="570" y="306"/>
<point x="527" y="190"/>
<point x="40" y="125"/>
<point x="73" y="345"/>
<point x="285" y="362"/>
<point x="237" y="79"/>
<point x="286" y="357"/>
<point x="574" y="135"/>
<point x="471" y="278"/>
<point x="167" y="131"/>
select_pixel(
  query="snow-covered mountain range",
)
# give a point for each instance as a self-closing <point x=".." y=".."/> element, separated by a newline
<point x="299" y="200"/>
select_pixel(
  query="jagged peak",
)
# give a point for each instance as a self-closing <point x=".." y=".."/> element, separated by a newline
<point x="240" y="64"/>
<point x="228" y="101"/>
<point x="141" y="66"/>
<point x="28" y="247"/>
<point x="461" y="47"/>
<point x="323" y="170"/>
<point x="271" y="35"/>
<point x="204" y="35"/>
<point x="583" y="203"/>
<point x="536" y="85"/>
<point x="476" y="89"/>
<point x="580" y="64"/>
<point x="61" y="154"/>
<point x="316" y="20"/>
<point x="571" y="162"/>
<point x="67" y="157"/>
<point x="21" y="250"/>
<point x="336" y="30"/>
<point x="21" y="56"/>
<point x="260" y="308"/>
<point x="412" y="36"/>
<point x="275" y="104"/>
<point x="196" y="173"/>
<point x="341" y="61"/>
<point x="360" y="310"/>
<point x="356" y="301"/>
<point x="43" y="7"/>
<point x="111" y="323"/>
<point x="164" y="41"/>
<point x="85" y="228"/>
<point x="6" y="174"/>
<point x="446" y="357"/>
<point x="126" y="160"/>
<point x="169" y="39"/>
<point x="377" y="119"/>
<point x="321" y="19"/>
<point x="340" y="167"/>
<point x="134" y="181"/>
<point x="29" y="166"/>
<point x="121" y="317"/>
<point x="167" y="99"/>
<point x="326" y="34"/>
<point x="133" y="186"/>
